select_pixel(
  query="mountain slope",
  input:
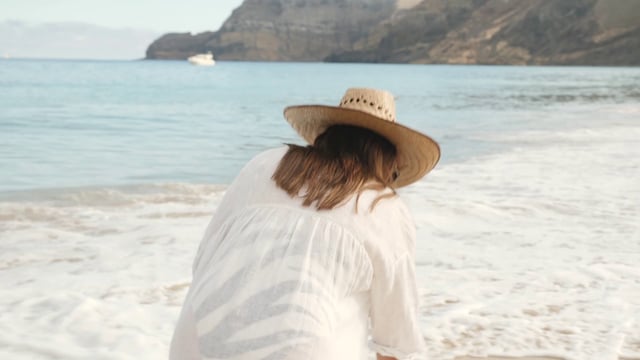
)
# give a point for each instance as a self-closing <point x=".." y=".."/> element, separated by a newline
<point x="580" y="32"/>
<point x="282" y="30"/>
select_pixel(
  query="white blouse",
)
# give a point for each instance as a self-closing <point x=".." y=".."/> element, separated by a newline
<point x="275" y="280"/>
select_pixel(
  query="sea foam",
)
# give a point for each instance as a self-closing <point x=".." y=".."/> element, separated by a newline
<point x="533" y="250"/>
<point x="536" y="250"/>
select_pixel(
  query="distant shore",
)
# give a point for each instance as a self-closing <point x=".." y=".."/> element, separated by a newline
<point x="571" y="32"/>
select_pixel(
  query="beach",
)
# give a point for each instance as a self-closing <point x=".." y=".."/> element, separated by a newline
<point x="104" y="270"/>
<point x="509" y="358"/>
<point x="519" y="358"/>
<point x="528" y="236"/>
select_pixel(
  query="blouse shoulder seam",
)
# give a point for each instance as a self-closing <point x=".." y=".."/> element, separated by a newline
<point x="315" y="214"/>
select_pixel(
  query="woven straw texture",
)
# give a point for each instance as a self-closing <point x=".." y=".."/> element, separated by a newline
<point x="374" y="110"/>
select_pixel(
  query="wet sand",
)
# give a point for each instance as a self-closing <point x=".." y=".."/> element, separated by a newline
<point x="509" y="358"/>
<point x="521" y="358"/>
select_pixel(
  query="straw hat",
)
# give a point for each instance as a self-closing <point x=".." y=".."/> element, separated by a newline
<point x="374" y="110"/>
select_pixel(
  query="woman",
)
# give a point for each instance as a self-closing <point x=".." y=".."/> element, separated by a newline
<point x="311" y="252"/>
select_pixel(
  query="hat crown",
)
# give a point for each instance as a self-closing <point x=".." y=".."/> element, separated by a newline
<point x="378" y="103"/>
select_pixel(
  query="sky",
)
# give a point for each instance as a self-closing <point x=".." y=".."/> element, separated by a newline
<point x="155" y="15"/>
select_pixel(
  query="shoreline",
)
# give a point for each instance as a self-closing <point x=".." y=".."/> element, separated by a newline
<point x="511" y="358"/>
<point x="523" y="358"/>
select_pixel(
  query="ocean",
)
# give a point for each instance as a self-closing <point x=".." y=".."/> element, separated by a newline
<point x="528" y="229"/>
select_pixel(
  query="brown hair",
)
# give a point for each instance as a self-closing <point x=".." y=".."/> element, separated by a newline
<point x="340" y="163"/>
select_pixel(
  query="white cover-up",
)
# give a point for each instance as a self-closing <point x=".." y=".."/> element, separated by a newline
<point x="275" y="280"/>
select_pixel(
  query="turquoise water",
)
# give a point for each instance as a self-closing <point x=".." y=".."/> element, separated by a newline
<point x="97" y="123"/>
<point x="527" y="232"/>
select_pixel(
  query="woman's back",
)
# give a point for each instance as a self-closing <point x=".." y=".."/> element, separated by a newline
<point x="311" y="253"/>
<point x="274" y="279"/>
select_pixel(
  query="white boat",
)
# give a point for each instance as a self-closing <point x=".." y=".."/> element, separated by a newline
<point x="202" y="59"/>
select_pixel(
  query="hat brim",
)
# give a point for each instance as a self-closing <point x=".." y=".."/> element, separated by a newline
<point x="417" y="153"/>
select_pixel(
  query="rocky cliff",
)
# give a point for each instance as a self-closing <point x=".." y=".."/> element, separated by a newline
<point x="582" y="32"/>
<point x="281" y="30"/>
